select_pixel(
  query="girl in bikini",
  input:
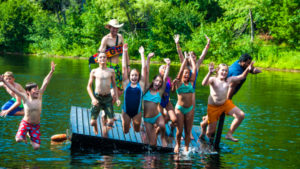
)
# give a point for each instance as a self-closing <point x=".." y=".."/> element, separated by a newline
<point x="134" y="87"/>
<point x="152" y="97"/>
<point x="184" y="108"/>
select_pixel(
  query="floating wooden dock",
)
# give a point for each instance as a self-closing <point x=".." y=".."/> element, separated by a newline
<point x="115" y="140"/>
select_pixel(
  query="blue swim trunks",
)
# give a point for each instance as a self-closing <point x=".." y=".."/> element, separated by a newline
<point x="8" y="104"/>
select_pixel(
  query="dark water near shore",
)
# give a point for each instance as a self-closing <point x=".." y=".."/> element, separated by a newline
<point x="269" y="136"/>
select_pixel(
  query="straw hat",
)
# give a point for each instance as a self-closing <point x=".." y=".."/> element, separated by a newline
<point x="114" y="23"/>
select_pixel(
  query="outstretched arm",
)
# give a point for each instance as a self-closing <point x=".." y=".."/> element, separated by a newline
<point x="255" y="70"/>
<point x="243" y="75"/>
<point x="179" y="51"/>
<point x="47" y="78"/>
<point x="124" y="64"/>
<point x="162" y="90"/>
<point x="204" y="52"/>
<point x="12" y="88"/>
<point x="207" y="80"/>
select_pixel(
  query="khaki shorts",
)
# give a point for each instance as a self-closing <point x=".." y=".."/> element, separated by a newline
<point x="105" y="103"/>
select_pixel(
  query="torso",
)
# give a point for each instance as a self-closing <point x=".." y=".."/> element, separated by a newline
<point x="185" y="99"/>
<point x="150" y="107"/>
<point x="110" y="42"/>
<point x="32" y="111"/>
<point x="218" y="92"/>
<point x="103" y="80"/>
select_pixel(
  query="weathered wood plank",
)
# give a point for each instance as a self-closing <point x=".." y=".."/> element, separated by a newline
<point x="118" y="124"/>
<point x="79" y="120"/>
<point x="86" y="125"/>
<point x="88" y="111"/>
<point x="73" y="119"/>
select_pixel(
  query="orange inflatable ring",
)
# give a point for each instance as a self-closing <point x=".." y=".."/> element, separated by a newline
<point x="59" y="137"/>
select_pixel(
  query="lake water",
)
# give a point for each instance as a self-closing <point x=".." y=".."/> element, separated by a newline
<point x="269" y="135"/>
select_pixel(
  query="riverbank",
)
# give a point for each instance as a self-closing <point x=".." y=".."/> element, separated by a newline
<point x="264" y="65"/>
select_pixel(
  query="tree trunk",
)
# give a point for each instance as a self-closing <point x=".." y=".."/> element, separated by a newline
<point x="252" y="28"/>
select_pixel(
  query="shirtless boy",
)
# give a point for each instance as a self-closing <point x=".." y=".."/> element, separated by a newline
<point x="102" y="100"/>
<point x="14" y="106"/>
<point x="218" y="102"/>
<point x="32" y="109"/>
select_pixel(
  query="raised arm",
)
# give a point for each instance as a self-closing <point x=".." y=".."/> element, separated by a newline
<point x="144" y="66"/>
<point x="179" y="75"/>
<point x="243" y="75"/>
<point x="12" y="88"/>
<point x="124" y="64"/>
<point x="255" y="70"/>
<point x="194" y="70"/>
<point x="207" y="80"/>
<point x="204" y="52"/>
<point x="150" y="55"/>
<point x="179" y="51"/>
<point x="47" y="78"/>
<point x="162" y="90"/>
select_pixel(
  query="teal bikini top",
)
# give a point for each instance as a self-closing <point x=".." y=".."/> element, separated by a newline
<point x="185" y="89"/>
<point x="152" y="98"/>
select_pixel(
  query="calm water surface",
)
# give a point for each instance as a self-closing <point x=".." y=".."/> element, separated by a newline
<point x="269" y="136"/>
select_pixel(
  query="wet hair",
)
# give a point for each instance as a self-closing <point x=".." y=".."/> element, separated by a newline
<point x="218" y="68"/>
<point x="151" y="85"/>
<point x="30" y="86"/>
<point x="9" y="74"/>
<point x="136" y="71"/>
<point x="245" y="57"/>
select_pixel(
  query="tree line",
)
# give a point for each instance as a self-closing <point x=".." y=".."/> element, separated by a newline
<point x="75" y="27"/>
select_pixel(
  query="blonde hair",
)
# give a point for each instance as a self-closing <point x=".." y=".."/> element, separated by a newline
<point x="9" y="74"/>
<point x="218" y="68"/>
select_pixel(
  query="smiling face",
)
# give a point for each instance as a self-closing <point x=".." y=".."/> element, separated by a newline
<point x="186" y="75"/>
<point x="9" y="79"/>
<point x="157" y="82"/>
<point x="222" y="71"/>
<point x="33" y="92"/>
<point x="134" y="76"/>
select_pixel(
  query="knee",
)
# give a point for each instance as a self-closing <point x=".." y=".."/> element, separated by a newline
<point x="241" y="115"/>
<point x="36" y="146"/>
<point x="18" y="139"/>
<point x="93" y="122"/>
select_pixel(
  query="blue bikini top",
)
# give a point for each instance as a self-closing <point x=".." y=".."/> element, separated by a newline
<point x="152" y="98"/>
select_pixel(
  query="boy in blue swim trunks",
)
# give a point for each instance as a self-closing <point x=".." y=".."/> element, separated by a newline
<point x="14" y="106"/>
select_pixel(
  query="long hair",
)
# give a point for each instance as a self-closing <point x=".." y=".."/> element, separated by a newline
<point x="151" y="85"/>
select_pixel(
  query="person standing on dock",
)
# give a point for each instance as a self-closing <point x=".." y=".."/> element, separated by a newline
<point x="134" y="87"/>
<point x="218" y="101"/>
<point x="154" y="121"/>
<point x="102" y="100"/>
<point x="32" y="109"/>
<point x="112" y="46"/>
<point x="14" y="107"/>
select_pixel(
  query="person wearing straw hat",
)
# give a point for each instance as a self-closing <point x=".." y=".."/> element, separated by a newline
<point x="112" y="45"/>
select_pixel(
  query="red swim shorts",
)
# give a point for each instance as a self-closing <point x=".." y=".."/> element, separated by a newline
<point x="33" y="129"/>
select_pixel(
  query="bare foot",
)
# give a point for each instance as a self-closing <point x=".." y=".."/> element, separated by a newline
<point x="157" y="130"/>
<point x="229" y="137"/>
<point x="202" y="137"/>
<point x="176" y="148"/>
<point x="192" y="137"/>
<point x="186" y="148"/>
<point x="95" y="130"/>
<point x="164" y="143"/>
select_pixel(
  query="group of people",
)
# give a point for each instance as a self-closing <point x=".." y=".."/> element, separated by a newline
<point x="152" y="97"/>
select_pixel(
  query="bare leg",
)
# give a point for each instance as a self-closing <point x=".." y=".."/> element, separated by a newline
<point x="238" y="118"/>
<point x="188" y="124"/>
<point x="150" y="130"/>
<point x="171" y="113"/>
<point x="137" y="120"/>
<point x="179" y="130"/>
<point x="94" y="124"/>
<point x="35" y="146"/>
<point x="125" y="122"/>
<point x="161" y="124"/>
<point x="203" y="125"/>
<point x="211" y="130"/>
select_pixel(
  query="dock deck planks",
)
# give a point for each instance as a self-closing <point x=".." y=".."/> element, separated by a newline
<point x="84" y="138"/>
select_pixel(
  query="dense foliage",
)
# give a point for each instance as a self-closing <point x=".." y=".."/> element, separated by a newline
<point x="75" y="27"/>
